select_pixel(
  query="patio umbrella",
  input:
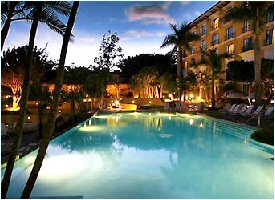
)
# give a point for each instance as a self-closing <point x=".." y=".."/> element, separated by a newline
<point x="252" y="96"/>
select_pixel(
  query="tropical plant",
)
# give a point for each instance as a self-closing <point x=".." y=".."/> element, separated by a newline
<point x="51" y="119"/>
<point x="46" y="12"/>
<point x="255" y="13"/>
<point x="110" y="54"/>
<point x="180" y="39"/>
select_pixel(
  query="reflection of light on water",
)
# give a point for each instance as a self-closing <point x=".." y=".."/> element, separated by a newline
<point x="90" y="122"/>
<point x="61" y="166"/>
<point x="201" y="125"/>
<point x="92" y="128"/>
<point x="117" y="117"/>
<point x="191" y="121"/>
<point x="102" y="116"/>
<point x="30" y="159"/>
<point x="170" y="118"/>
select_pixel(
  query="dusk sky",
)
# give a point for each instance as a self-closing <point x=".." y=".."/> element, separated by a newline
<point x="141" y="27"/>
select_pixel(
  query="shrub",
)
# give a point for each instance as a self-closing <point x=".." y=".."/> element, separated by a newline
<point x="264" y="135"/>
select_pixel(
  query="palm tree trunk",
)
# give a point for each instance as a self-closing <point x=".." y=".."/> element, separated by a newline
<point x="213" y="101"/>
<point x="6" y="27"/>
<point x="22" y="115"/>
<point x="40" y="111"/>
<point x="51" y="120"/>
<point x="179" y="73"/>
<point x="257" y="67"/>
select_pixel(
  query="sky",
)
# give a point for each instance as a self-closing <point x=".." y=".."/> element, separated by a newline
<point x="141" y="27"/>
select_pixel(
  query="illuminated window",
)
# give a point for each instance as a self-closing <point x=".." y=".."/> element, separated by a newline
<point x="246" y="26"/>
<point x="215" y="23"/>
<point x="230" y="49"/>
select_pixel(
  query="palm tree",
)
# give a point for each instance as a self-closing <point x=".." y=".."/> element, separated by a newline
<point x="51" y="120"/>
<point x="43" y="12"/>
<point x="180" y="39"/>
<point x="8" y="10"/>
<point x="255" y="13"/>
<point x="214" y="61"/>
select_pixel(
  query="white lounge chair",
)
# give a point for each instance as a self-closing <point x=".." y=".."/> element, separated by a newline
<point x="258" y="111"/>
<point x="231" y="108"/>
<point x="268" y="112"/>
<point x="248" y="111"/>
<point x="244" y="108"/>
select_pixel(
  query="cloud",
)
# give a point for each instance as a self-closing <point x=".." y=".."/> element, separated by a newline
<point x="197" y="13"/>
<point x="141" y="33"/>
<point x="154" y="14"/>
<point x="184" y="3"/>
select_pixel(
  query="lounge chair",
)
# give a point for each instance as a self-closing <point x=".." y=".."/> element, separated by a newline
<point x="258" y="111"/>
<point x="167" y="108"/>
<point x="235" y="109"/>
<point x="231" y="108"/>
<point x="244" y="108"/>
<point x="248" y="111"/>
<point x="178" y="106"/>
<point x="268" y="113"/>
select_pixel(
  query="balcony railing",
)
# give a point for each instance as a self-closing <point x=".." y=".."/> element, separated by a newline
<point x="246" y="29"/>
<point x="230" y="35"/>
<point x="214" y="27"/>
<point x="214" y="42"/>
<point x="248" y="47"/>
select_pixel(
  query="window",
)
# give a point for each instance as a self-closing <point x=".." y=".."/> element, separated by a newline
<point x="193" y="62"/>
<point x="193" y="50"/>
<point x="246" y="27"/>
<point x="230" y="49"/>
<point x="215" y="24"/>
<point x="247" y="44"/>
<point x="203" y="45"/>
<point x="203" y="30"/>
<point x="215" y="39"/>
<point x="269" y="37"/>
<point x="230" y="33"/>
<point x="270" y="16"/>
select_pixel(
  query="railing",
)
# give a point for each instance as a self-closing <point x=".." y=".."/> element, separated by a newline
<point x="214" y="42"/>
<point x="246" y="29"/>
<point x="230" y="35"/>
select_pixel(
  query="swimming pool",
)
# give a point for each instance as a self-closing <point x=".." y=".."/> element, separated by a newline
<point x="151" y="155"/>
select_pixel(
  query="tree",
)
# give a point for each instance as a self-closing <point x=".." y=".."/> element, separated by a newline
<point x="214" y="61"/>
<point x="180" y="39"/>
<point x="51" y="120"/>
<point x="254" y="12"/>
<point x="9" y="9"/>
<point x="110" y="54"/>
<point x="46" y="13"/>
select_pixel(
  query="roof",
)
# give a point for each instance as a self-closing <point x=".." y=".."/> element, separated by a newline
<point x="209" y="12"/>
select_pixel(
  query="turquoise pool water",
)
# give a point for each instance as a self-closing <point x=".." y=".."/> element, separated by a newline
<point x="152" y="155"/>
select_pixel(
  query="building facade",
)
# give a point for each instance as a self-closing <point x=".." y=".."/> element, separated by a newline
<point x="231" y="37"/>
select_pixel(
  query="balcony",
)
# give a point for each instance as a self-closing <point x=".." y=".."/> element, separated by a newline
<point x="214" y="27"/>
<point x="248" y="47"/>
<point x="230" y="35"/>
<point x="246" y="29"/>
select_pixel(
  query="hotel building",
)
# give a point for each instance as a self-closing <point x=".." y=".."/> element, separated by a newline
<point x="232" y="37"/>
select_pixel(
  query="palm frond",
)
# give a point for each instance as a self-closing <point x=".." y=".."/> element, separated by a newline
<point x="169" y="40"/>
<point x="62" y="7"/>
